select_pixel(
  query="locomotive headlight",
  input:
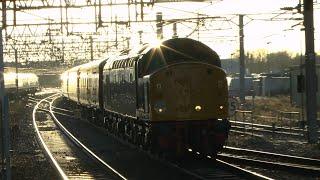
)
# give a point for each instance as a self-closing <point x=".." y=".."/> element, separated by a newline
<point x="160" y="106"/>
<point x="197" y="108"/>
<point x="221" y="107"/>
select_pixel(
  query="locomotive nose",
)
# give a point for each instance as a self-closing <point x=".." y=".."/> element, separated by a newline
<point x="188" y="91"/>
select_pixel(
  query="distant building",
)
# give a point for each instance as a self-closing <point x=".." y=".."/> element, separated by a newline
<point x="231" y="66"/>
<point x="271" y="85"/>
<point x="297" y="84"/>
<point x="234" y="86"/>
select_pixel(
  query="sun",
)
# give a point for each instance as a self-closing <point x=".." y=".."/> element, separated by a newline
<point x="155" y="43"/>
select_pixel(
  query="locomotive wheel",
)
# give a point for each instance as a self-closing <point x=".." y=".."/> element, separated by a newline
<point x="100" y="118"/>
<point x="105" y="122"/>
<point x="146" y="140"/>
<point x="140" y="139"/>
<point x="121" y="128"/>
<point x="127" y="131"/>
<point x="135" y="136"/>
<point x="154" y="146"/>
<point x="114" y="125"/>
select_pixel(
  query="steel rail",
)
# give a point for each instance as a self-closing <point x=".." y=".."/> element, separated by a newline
<point x="290" y="158"/>
<point x="42" y="143"/>
<point x="271" y="165"/>
<point x="81" y="145"/>
<point x="65" y="110"/>
<point x="270" y="127"/>
<point x="233" y="168"/>
<point x="122" y="141"/>
<point x="268" y="131"/>
<point x="244" y="172"/>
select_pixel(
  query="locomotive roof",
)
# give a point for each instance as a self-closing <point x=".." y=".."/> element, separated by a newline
<point x="151" y="58"/>
<point x="88" y="65"/>
<point x="111" y="60"/>
<point x="74" y="69"/>
<point x="92" y="64"/>
<point x="175" y="51"/>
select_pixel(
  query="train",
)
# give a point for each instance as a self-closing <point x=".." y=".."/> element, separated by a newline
<point x="27" y="83"/>
<point x="170" y="97"/>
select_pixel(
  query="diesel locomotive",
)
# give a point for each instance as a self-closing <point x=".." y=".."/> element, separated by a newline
<point x="167" y="98"/>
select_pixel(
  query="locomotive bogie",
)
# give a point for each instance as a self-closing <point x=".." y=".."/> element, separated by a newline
<point x="206" y="136"/>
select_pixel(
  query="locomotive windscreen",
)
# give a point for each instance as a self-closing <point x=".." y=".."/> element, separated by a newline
<point x="175" y="51"/>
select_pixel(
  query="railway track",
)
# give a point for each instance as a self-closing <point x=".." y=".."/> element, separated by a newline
<point x="206" y="168"/>
<point x="193" y="168"/>
<point x="258" y="129"/>
<point x="72" y="160"/>
<point x="210" y="169"/>
<point x="274" y="161"/>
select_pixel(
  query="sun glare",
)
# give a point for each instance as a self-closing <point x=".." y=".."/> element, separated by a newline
<point x="156" y="43"/>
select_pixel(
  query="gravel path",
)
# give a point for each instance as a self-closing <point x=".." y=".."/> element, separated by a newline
<point x="27" y="158"/>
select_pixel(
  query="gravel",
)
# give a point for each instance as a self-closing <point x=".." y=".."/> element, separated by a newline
<point x="27" y="158"/>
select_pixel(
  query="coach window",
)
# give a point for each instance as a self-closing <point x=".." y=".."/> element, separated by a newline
<point x="131" y="77"/>
<point x="94" y="79"/>
<point x="128" y="62"/>
<point x="122" y="63"/>
<point x="114" y="65"/>
<point x="117" y="64"/>
<point x="131" y="62"/>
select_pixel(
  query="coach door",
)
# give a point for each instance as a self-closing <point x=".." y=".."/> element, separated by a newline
<point x="88" y="87"/>
<point x="94" y="94"/>
<point x="78" y="88"/>
<point x="106" y="90"/>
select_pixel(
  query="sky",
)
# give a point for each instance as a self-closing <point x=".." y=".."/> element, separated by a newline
<point x="280" y="34"/>
<point x="266" y="26"/>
